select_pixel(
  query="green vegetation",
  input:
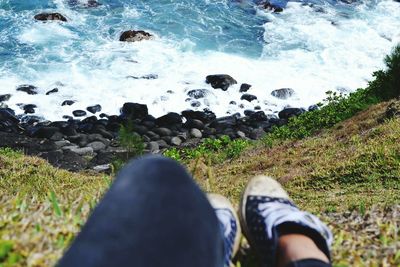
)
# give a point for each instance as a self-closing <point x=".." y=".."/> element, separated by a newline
<point x="216" y="150"/>
<point x="131" y="141"/>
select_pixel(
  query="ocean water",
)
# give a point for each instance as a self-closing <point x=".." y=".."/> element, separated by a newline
<point x="312" y="46"/>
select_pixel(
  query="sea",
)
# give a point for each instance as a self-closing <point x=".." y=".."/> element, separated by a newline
<point x="311" y="46"/>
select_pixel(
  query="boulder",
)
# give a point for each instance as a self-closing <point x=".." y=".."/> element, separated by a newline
<point x="193" y="123"/>
<point x="44" y="132"/>
<point x="135" y="36"/>
<point x="290" y="112"/>
<point x="50" y="16"/>
<point x="198" y="93"/>
<point x="196" y="133"/>
<point x="272" y="7"/>
<point x="248" y="97"/>
<point x="283" y="93"/>
<point x="162" y="131"/>
<point x="79" y="113"/>
<point x="97" y="146"/>
<point x="220" y="81"/>
<point x="29" y="108"/>
<point x="94" y="109"/>
<point x="134" y="111"/>
<point x="52" y="91"/>
<point x="67" y="103"/>
<point x="29" y="89"/>
<point x="5" y="97"/>
<point x="195" y="104"/>
<point x="153" y="147"/>
<point x="92" y="3"/>
<point x="244" y="87"/>
<point x="175" y="141"/>
<point x="169" y="119"/>
<point x="204" y="116"/>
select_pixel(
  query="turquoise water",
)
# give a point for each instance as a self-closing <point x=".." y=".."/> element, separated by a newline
<point x="312" y="46"/>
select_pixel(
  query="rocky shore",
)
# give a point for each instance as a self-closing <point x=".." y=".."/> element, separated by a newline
<point x="92" y="142"/>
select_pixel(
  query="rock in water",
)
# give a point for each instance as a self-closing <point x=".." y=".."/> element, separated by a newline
<point x="92" y="3"/>
<point x="220" y="81"/>
<point x="79" y="113"/>
<point x="283" y="93"/>
<point x="290" y="112"/>
<point x="244" y="87"/>
<point x="29" y="89"/>
<point x="67" y="103"/>
<point x="5" y="97"/>
<point x="50" y="16"/>
<point x="94" y="109"/>
<point x="55" y="90"/>
<point x="134" y="111"/>
<point x="198" y="93"/>
<point x="134" y="36"/>
<point x="272" y="7"/>
<point x="248" y="97"/>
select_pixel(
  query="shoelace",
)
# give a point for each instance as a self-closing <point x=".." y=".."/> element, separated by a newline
<point x="276" y="213"/>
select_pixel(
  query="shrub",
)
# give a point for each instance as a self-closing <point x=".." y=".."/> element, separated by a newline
<point x="131" y="141"/>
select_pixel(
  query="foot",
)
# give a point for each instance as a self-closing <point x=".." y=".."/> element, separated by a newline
<point x="267" y="213"/>
<point x="229" y="224"/>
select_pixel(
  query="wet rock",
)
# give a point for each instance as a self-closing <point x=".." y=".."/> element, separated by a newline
<point x="272" y="7"/>
<point x="29" y="108"/>
<point x="94" y="109"/>
<point x="5" y="97"/>
<point x="146" y="77"/>
<point x="196" y="133"/>
<point x="290" y="112"/>
<point x="198" y="93"/>
<point x="204" y="116"/>
<point x="52" y="91"/>
<point x="283" y="93"/>
<point x="193" y="123"/>
<point x="8" y="121"/>
<point x="169" y="119"/>
<point x="92" y="3"/>
<point x="135" y="36"/>
<point x="68" y="103"/>
<point x="195" y="104"/>
<point x="244" y="87"/>
<point x="134" y="111"/>
<point x="220" y="81"/>
<point x="50" y="16"/>
<point x="79" y="113"/>
<point x="224" y="122"/>
<point x="3" y="105"/>
<point x="66" y="117"/>
<point x="30" y="119"/>
<point x="313" y="107"/>
<point x="248" y="97"/>
<point x="44" y="132"/>
<point x="29" y="89"/>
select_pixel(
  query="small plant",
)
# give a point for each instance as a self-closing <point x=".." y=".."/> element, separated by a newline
<point x="131" y="140"/>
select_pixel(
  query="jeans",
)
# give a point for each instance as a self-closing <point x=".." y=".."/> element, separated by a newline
<point x="153" y="215"/>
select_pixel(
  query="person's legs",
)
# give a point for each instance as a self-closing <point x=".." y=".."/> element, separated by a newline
<point x="153" y="215"/>
<point x="282" y="234"/>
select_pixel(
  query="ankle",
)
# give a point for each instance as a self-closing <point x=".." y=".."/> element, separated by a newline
<point x="295" y="247"/>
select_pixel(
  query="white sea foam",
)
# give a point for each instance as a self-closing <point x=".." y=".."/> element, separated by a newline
<point x="308" y="51"/>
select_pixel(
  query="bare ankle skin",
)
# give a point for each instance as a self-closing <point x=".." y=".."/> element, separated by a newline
<point x="294" y="247"/>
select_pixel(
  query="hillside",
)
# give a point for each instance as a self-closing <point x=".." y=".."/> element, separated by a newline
<point x="348" y="174"/>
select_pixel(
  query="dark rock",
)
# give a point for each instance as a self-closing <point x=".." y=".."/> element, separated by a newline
<point x="175" y="141"/>
<point x="195" y="104"/>
<point x="221" y="81"/>
<point x="162" y="144"/>
<point x="232" y="103"/>
<point x="248" y="97"/>
<point x="290" y="112"/>
<point x="67" y="117"/>
<point x="257" y="108"/>
<point x="57" y="136"/>
<point x="45" y="132"/>
<point x="162" y="131"/>
<point x="97" y="146"/>
<point x="29" y="89"/>
<point x="92" y="3"/>
<point x="29" y="108"/>
<point x="135" y="36"/>
<point x="30" y="119"/>
<point x="53" y="157"/>
<point x="55" y="90"/>
<point x="153" y="136"/>
<point x="79" y="113"/>
<point x="258" y="116"/>
<point x="244" y="87"/>
<point x="94" y="109"/>
<point x="8" y="121"/>
<point x="257" y="134"/>
<point x="169" y="119"/>
<point x="153" y="147"/>
<point x="67" y="103"/>
<point x="50" y="16"/>
<point x="272" y="7"/>
<point x="224" y="122"/>
<point x="140" y="129"/>
<point x="248" y="112"/>
<point x="198" y="93"/>
<point x="5" y="97"/>
<point x="205" y="116"/>
<point x="149" y="124"/>
<point x="103" y="115"/>
<point x="193" y="123"/>
<point x="313" y="107"/>
<point x="134" y="111"/>
<point x="392" y="110"/>
<point x="283" y="93"/>
<point x="72" y="161"/>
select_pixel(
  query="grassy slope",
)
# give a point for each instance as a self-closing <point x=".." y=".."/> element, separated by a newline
<point x="349" y="175"/>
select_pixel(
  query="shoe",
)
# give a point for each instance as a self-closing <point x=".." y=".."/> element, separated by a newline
<point x="229" y="224"/>
<point x="268" y="213"/>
